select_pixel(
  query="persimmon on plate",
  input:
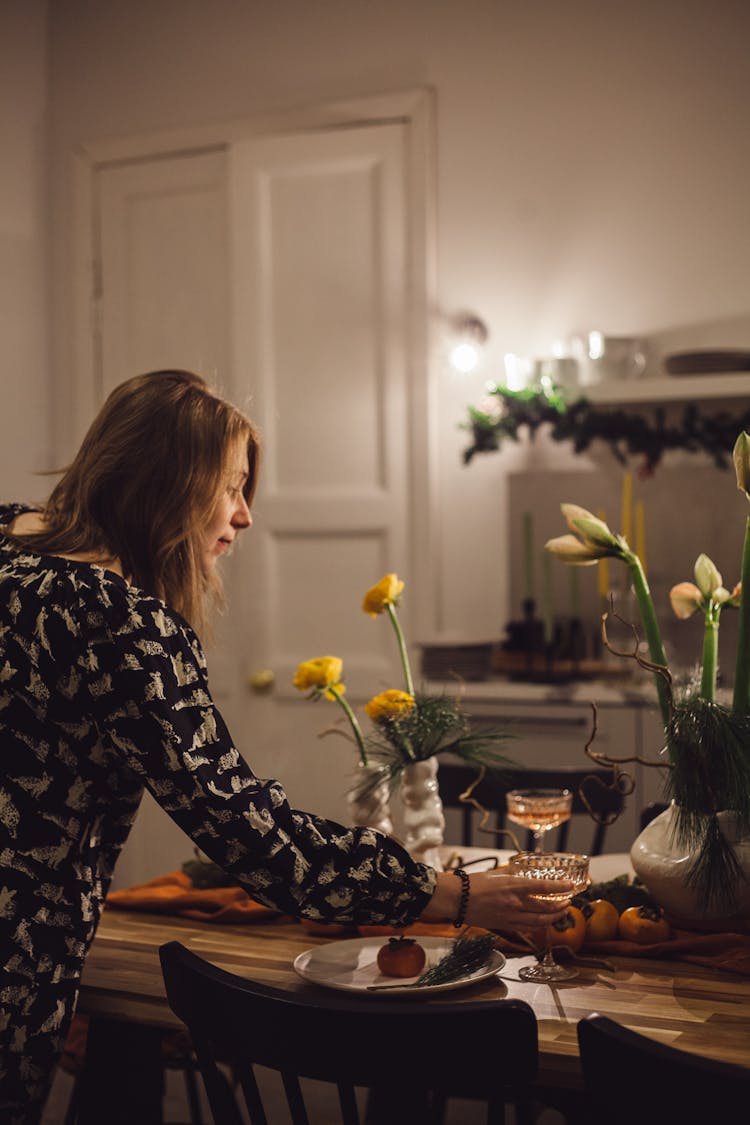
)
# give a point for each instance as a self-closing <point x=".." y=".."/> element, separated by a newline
<point x="401" y="957"/>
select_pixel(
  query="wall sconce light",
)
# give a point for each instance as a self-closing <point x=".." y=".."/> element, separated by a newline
<point x="469" y="335"/>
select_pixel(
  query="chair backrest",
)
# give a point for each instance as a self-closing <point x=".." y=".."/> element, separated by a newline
<point x="650" y="812"/>
<point x="455" y="778"/>
<point x="631" y="1078"/>
<point x="485" y="1049"/>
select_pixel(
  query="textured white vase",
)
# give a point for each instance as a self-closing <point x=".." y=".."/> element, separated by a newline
<point x="373" y="810"/>
<point x="663" y="866"/>
<point x="424" y="820"/>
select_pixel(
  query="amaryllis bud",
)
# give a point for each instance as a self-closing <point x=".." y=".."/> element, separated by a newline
<point x="569" y="549"/>
<point x="592" y="530"/>
<point x="707" y="576"/>
<point x="741" y="458"/>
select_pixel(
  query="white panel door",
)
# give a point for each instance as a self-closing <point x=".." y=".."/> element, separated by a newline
<point x="320" y="305"/>
<point x="163" y="266"/>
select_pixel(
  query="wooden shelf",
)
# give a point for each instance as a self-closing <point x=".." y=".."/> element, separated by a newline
<point x="672" y="388"/>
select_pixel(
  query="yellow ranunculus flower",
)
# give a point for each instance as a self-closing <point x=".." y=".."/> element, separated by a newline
<point x="320" y="674"/>
<point x="389" y="705"/>
<point x="386" y="592"/>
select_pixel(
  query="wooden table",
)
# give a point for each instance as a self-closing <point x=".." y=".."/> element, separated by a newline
<point x="693" y="1008"/>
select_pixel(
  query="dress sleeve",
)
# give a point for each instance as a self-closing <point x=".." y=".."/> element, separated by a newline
<point x="150" y="698"/>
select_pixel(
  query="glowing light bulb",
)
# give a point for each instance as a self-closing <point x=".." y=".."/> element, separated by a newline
<point x="469" y="338"/>
<point x="596" y="345"/>
<point x="464" y="357"/>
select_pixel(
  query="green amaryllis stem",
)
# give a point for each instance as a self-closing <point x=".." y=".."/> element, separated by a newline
<point x="401" y="647"/>
<point x="741" y="701"/>
<point x="354" y="724"/>
<point x="651" y="627"/>
<point x="710" y="653"/>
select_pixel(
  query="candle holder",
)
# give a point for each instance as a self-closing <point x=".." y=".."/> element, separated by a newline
<point x="533" y="632"/>
<point x="573" y="647"/>
<point x="520" y="655"/>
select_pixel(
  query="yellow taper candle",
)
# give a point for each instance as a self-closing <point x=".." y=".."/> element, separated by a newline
<point x="603" y="576"/>
<point x="548" y="609"/>
<point x="640" y="532"/>
<point x="528" y="555"/>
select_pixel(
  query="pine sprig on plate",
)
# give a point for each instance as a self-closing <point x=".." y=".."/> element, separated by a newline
<point x="466" y="956"/>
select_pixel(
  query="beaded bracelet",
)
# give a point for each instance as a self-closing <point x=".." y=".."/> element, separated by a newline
<point x="464" y="900"/>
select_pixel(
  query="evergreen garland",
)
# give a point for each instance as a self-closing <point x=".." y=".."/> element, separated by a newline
<point x="645" y="433"/>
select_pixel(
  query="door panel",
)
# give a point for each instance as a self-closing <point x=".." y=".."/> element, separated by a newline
<point x="320" y="297"/>
<point x="163" y="266"/>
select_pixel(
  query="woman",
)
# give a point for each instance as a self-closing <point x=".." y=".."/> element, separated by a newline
<point x="103" y="692"/>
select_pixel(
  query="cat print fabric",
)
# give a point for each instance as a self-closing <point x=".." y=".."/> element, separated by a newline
<point x="104" y="693"/>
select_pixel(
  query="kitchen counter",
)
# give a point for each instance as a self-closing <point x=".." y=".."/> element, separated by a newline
<point x="604" y="693"/>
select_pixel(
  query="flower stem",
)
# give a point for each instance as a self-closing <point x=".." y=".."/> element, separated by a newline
<point x="710" y="653"/>
<point x="354" y="724"/>
<point x="401" y="647"/>
<point x="741" y="701"/>
<point x="651" y="626"/>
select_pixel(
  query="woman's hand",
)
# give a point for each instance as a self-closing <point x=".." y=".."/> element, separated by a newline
<point x="497" y="902"/>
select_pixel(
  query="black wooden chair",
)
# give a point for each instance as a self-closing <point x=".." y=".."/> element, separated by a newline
<point x="455" y="778"/>
<point x="416" y="1054"/>
<point x="650" y="812"/>
<point x="631" y="1078"/>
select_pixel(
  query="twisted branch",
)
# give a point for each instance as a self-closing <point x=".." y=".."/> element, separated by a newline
<point x="622" y="781"/>
<point x="467" y="798"/>
<point x="648" y="665"/>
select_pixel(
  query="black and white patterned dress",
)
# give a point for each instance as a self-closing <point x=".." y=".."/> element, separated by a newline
<point x="103" y="692"/>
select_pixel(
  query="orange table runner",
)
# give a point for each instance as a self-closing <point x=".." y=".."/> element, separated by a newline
<point x="174" y="893"/>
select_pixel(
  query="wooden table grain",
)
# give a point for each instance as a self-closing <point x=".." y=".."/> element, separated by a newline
<point x="694" y="1008"/>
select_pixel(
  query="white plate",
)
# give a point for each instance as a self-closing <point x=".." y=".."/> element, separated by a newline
<point x="351" y="966"/>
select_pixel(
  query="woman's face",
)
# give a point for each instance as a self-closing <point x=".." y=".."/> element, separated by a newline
<point x="231" y="514"/>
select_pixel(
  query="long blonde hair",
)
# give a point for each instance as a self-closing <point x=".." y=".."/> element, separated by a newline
<point x="145" y="481"/>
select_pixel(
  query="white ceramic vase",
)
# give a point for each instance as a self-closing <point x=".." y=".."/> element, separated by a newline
<point x="663" y="865"/>
<point x="373" y="810"/>
<point x="424" y="820"/>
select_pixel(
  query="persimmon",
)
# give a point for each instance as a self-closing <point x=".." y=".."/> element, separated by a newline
<point x="569" y="930"/>
<point x="401" y="957"/>
<point x="644" y="924"/>
<point x="602" y="918"/>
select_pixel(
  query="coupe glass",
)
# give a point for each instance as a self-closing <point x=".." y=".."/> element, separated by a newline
<point x="539" y="810"/>
<point x="551" y="865"/>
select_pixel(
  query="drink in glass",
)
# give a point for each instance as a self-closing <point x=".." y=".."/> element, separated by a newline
<point x="565" y="866"/>
<point x="539" y="810"/>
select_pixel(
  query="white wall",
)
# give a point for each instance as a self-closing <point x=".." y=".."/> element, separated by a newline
<point x="26" y="377"/>
<point x="593" y="159"/>
<point x="593" y="162"/>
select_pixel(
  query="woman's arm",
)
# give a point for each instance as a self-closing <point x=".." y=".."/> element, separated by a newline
<point x="149" y="693"/>
<point x="495" y="901"/>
